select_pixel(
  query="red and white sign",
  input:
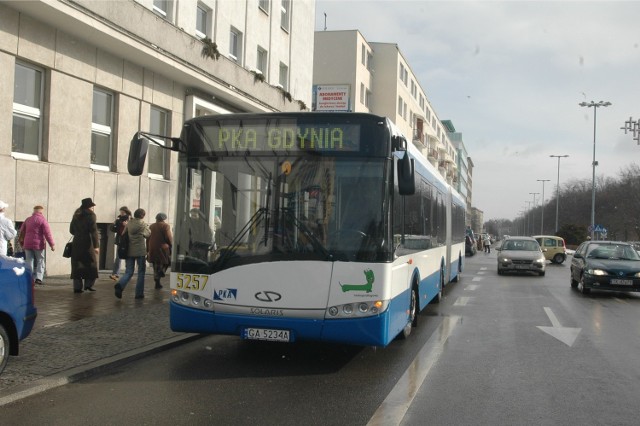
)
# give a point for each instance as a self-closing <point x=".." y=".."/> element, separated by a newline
<point x="332" y="98"/>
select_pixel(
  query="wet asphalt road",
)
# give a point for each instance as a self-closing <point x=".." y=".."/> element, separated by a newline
<point x="498" y="350"/>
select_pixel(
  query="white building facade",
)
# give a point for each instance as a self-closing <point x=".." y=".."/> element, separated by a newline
<point x="379" y="80"/>
<point x="81" y="77"/>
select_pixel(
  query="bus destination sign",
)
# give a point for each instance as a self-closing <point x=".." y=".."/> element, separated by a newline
<point x="242" y="138"/>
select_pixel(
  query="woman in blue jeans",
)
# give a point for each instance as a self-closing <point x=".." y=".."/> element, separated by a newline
<point x="139" y="232"/>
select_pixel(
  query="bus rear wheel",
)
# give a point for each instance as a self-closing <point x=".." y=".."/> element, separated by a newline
<point x="413" y="314"/>
<point x="440" y="294"/>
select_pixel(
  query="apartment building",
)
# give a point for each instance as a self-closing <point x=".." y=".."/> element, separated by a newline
<point x="80" y="77"/>
<point x="464" y="184"/>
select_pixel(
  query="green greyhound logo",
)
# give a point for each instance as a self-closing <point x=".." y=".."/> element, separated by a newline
<point x="368" y="273"/>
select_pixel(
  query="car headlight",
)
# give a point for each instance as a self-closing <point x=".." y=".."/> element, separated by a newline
<point x="540" y="261"/>
<point x="504" y="260"/>
<point x="637" y="275"/>
<point x="599" y="272"/>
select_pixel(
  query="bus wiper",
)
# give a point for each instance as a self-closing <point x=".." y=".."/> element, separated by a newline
<point x="259" y="216"/>
<point x="315" y="242"/>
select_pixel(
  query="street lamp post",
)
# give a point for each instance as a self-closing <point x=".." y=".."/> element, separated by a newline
<point x="558" y="187"/>
<point x="533" y="222"/>
<point x="595" y="106"/>
<point x="542" y="205"/>
<point x="528" y="216"/>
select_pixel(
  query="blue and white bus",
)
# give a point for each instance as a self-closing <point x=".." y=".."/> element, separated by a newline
<point x="306" y="226"/>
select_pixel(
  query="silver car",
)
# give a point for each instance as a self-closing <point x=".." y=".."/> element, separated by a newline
<point x="521" y="254"/>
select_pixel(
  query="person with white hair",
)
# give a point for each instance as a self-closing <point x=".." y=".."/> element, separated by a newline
<point x="7" y="230"/>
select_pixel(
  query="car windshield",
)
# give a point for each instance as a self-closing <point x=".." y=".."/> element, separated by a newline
<point x="521" y="245"/>
<point x="613" y="251"/>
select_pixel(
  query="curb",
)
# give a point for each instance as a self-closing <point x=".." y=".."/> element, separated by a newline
<point x="91" y="369"/>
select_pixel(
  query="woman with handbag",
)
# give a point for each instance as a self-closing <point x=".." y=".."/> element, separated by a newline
<point x="86" y="243"/>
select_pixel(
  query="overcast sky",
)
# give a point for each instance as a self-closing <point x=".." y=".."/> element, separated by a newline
<point x="510" y="76"/>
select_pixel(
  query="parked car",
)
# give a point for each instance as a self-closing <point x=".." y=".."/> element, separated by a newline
<point x="470" y="246"/>
<point x="521" y="254"/>
<point x="553" y="247"/>
<point x="605" y="265"/>
<point x="17" y="310"/>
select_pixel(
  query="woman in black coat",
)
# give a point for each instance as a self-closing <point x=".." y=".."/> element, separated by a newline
<point x="86" y="243"/>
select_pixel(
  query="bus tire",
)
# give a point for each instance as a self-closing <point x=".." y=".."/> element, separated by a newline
<point x="440" y="294"/>
<point x="413" y="314"/>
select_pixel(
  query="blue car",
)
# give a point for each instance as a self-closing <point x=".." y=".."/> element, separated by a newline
<point x="17" y="310"/>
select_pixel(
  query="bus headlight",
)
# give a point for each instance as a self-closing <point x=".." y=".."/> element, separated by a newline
<point x="362" y="309"/>
<point x="191" y="300"/>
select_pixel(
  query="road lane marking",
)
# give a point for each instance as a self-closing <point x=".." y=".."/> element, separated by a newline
<point x="477" y="278"/>
<point x="566" y="335"/>
<point x="461" y="301"/>
<point x="395" y="406"/>
<point x="471" y="287"/>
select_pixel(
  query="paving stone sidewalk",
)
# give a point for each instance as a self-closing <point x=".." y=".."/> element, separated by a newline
<point x="76" y="334"/>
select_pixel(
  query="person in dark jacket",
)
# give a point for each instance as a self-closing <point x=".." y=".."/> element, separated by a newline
<point x="160" y="243"/>
<point x="119" y="226"/>
<point x="86" y="243"/>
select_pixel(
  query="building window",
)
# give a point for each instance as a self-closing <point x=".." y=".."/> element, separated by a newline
<point x="264" y="5"/>
<point x="202" y="21"/>
<point x="362" y="93"/>
<point x="363" y="55"/>
<point x="261" y="61"/>
<point x="162" y="8"/>
<point x="369" y="58"/>
<point x="27" y="111"/>
<point x="235" y="45"/>
<point x="285" y="12"/>
<point x="101" y="125"/>
<point x="367" y="99"/>
<point x="284" y="76"/>
<point x="400" y="103"/>
<point x="158" y="155"/>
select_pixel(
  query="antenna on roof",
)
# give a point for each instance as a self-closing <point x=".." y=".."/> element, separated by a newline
<point x="325" y="21"/>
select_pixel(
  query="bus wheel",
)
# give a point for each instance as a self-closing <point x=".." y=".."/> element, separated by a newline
<point x="413" y="314"/>
<point x="440" y="294"/>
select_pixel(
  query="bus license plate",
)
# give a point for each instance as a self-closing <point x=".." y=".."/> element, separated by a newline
<point x="266" y="334"/>
<point x="617" y="281"/>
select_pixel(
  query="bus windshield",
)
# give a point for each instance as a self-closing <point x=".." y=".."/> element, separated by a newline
<point x="239" y="210"/>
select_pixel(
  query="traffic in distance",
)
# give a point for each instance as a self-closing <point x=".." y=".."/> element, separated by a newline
<point x="307" y="226"/>
<point x="595" y="265"/>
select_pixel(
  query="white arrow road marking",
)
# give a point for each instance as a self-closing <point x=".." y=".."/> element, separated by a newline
<point x="566" y="335"/>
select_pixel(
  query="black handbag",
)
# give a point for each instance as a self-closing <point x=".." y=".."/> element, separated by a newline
<point x="68" y="249"/>
<point x="123" y="245"/>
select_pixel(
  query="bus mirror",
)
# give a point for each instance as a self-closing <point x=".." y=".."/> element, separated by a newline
<point x="137" y="155"/>
<point x="406" y="175"/>
<point x="399" y="143"/>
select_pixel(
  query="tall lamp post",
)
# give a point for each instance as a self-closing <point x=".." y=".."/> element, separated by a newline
<point x="533" y="222"/>
<point x="528" y="214"/>
<point x="595" y="106"/>
<point x="542" y="204"/>
<point x="558" y="187"/>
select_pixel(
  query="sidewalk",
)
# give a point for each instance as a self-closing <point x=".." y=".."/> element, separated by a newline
<point x="76" y="335"/>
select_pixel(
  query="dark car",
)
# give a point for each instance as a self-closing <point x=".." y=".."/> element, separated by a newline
<point x="605" y="265"/>
<point x="17" y="311"/>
